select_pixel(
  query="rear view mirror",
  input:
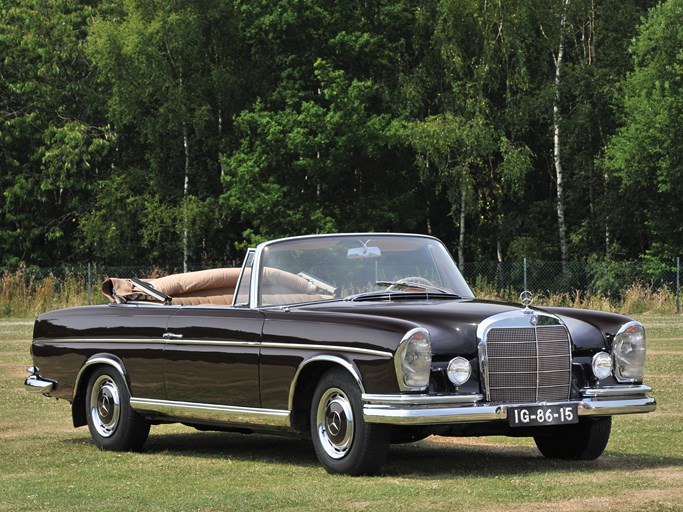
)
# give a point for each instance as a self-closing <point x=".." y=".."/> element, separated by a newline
<point x="356" y="253"/>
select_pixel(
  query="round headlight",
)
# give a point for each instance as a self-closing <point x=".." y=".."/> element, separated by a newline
<point x="602" y="365"/>
<point x="459" y="370"/>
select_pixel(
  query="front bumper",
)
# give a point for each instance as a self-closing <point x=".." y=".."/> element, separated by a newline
<point x="449" y="409"/>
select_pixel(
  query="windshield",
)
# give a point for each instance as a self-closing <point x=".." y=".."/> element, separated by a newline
<point x="325" y="267"/>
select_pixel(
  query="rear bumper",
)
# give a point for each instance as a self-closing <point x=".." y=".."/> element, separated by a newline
<point x="34" y="383"/>
<point x="449" y="409"/>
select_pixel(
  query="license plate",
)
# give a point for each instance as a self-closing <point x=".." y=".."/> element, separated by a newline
<point x="537" y="415"/>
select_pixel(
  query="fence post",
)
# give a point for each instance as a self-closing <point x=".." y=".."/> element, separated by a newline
<point x="525" y="282"/>
<point x="89" y="284"/>
<point x="678" y="285"/>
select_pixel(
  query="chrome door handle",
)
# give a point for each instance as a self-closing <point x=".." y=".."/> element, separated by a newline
<point x="172" y="336"/>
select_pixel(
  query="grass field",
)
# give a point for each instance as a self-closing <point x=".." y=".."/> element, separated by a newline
<point x="46" y="464"/>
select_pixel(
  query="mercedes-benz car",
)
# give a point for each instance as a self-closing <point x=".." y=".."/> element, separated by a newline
<point x="354" y="341"/>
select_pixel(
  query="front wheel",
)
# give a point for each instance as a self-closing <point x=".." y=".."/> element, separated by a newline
<point x="583" y="441"/>
<point x="343" y="441"/>
<point x="112" y="423"/>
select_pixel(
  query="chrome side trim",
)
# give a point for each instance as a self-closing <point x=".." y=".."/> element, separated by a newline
<point x="216" y="343"/>
<point x="102" y="340"/>
<point x="158" y="341"/>
<point x="227" y="343"/>
<point x="276" y="345"/>
<point x="453" y="409"/>
<point x="325" y="348"/>
<point x="212" y="412"/>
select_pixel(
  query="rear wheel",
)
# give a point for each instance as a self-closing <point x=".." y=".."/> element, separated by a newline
<point x="112" y="423"/>
<point x="343" y="441"/>
<point x="583" y="441"/>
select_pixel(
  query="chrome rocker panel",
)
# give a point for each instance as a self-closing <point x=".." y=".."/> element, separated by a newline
<point x="447" y="409"/>
<point x="233" y="415"/>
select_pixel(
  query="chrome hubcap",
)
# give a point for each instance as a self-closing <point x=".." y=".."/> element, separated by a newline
<point x="334" y="420"/>
<point x="105" y="405"/>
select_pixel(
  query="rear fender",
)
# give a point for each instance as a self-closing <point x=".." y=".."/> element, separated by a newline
<point x="78" y="412"/>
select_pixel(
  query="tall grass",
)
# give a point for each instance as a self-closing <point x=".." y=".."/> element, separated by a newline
<point x="637" y="299"/>
<point x="22" y="295"/>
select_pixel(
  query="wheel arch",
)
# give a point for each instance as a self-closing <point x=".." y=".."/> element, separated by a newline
<point x="78" y="412"/>
<point x="304" y="383"/>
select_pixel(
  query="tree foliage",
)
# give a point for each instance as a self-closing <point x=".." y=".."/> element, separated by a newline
<point x="54" y="136"/>
<point x="181" y="131"/>
<point x="646" y="155"/>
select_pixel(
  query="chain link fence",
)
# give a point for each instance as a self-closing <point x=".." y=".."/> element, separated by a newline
<point x="610" y="279"/>
<point x="505" y="280"/>
<point x="604" y="277"/>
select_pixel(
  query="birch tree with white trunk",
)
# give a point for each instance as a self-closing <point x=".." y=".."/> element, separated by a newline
<point x="557" y="135"/>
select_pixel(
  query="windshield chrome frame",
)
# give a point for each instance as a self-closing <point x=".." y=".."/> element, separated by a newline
<point x="260" y="249"/>
<point x="245" y="265"/>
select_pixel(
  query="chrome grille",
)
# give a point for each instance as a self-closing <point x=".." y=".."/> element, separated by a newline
<point x="528" y="364"/>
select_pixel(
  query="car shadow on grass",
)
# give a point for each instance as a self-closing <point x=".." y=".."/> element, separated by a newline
<point x="219" y="445"/>
<point x="433" y="457"/>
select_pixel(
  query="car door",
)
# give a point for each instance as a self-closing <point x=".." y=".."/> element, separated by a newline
<point x="135" y="334"/>
<point x="211" y="356"/>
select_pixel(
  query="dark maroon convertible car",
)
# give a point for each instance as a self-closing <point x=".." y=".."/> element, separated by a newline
<point x="354" y="341"/>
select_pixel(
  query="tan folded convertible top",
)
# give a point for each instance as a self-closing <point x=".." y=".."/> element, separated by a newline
<point x="214" y="286"/>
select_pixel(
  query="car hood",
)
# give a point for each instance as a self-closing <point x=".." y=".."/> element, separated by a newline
<point x="453" y="323"/>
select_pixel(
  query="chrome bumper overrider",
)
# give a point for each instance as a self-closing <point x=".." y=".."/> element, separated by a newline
<point x="445" y="409"/>
<point x="34" y="383"/>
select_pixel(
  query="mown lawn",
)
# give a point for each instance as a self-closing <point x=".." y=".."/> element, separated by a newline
<point x="46" y="464"/>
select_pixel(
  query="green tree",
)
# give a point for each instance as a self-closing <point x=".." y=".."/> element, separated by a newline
<point x="645" y="157"/>
<point x="470" y="149"/>
<point x="176" y="131"/>
<point x="55" y="139"/>
<point x="597" y="37"/>
<point x="174" y="86"/>
<point x="318" y="152"/>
